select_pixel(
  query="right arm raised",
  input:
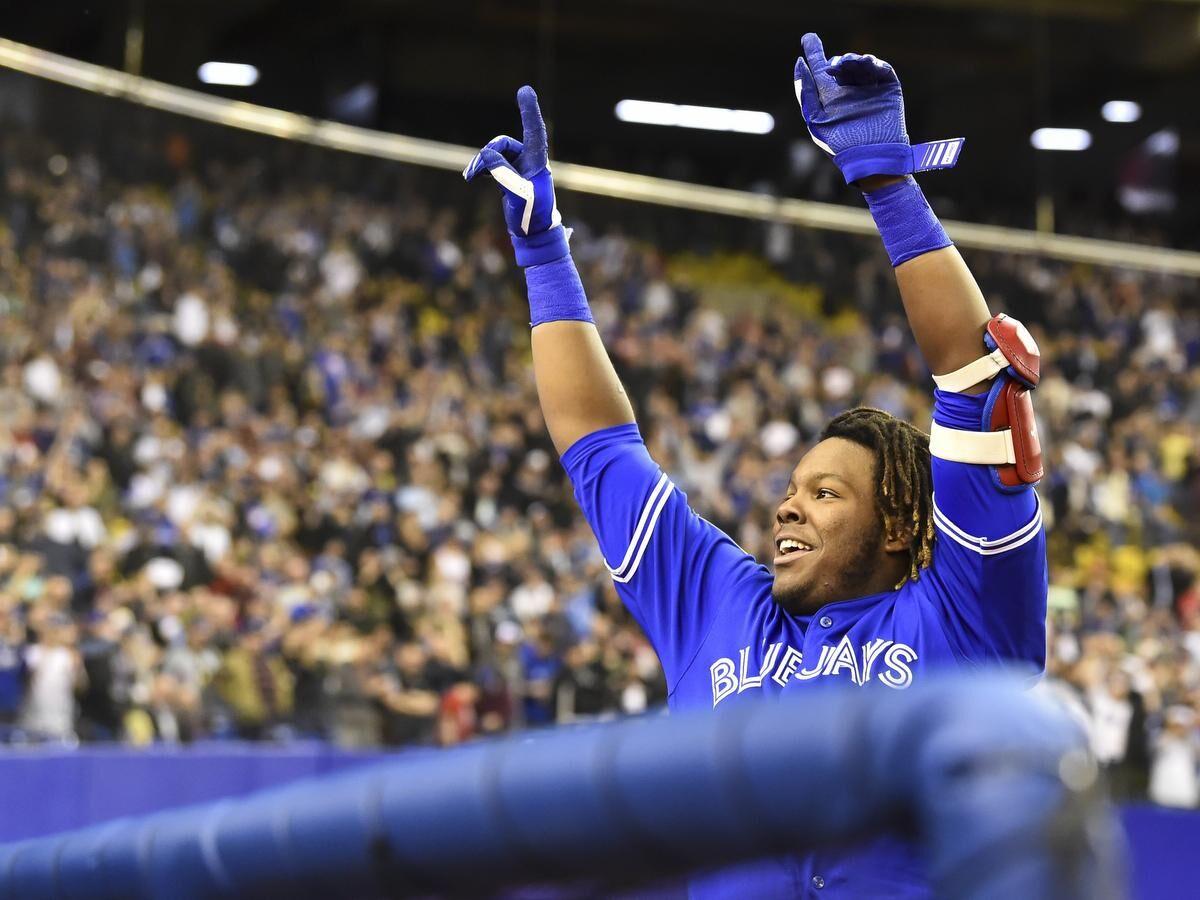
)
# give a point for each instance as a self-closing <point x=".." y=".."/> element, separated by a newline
<point x="672" y="569"/>
<point x="577" y="384"/>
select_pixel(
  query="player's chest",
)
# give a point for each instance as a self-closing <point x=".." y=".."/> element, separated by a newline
<point x="766" y="653"/>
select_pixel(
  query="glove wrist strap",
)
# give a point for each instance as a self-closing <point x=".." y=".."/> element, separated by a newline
<point x="539" y="249"/>
<point x="556" y="293"/>
<point x="897" y="158"/>
<point x="874" y="159"/>
<point x="905" y="222"/>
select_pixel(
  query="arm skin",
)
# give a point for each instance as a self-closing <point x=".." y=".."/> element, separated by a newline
<point x="945" y="308"/>
<point x="577" y="385"/>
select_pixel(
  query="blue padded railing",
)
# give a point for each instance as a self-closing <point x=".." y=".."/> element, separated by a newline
<point x="996" y="785"/>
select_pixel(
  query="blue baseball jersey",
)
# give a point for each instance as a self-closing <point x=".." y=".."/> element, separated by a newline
<point x="706" y="606"/>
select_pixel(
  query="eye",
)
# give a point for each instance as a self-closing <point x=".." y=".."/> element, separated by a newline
<point x="826" y="492"/>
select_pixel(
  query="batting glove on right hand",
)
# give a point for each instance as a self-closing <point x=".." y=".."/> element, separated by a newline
<point x="522" y="169"/>
<point x="854" y="111"/>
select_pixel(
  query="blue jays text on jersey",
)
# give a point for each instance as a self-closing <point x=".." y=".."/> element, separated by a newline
<point x="781" y="663"/>
<point x="706" y="606"/>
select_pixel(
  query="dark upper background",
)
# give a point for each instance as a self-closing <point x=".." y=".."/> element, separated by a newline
<point x="992" y="70"/>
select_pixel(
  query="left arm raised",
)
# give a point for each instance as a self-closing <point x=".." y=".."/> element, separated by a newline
<point x="854" y="110"/>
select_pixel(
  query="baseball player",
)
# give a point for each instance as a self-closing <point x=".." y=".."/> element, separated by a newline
<point x="897" y="552"/>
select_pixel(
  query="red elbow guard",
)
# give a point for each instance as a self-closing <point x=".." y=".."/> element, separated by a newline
<point x="1009" y="440"/>
<point x="1021" y="351"/>
<point x="1010" y="408"/>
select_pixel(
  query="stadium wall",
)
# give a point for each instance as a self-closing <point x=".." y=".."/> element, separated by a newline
<point x="61" y="790"/>
<point x="67" y="789"/>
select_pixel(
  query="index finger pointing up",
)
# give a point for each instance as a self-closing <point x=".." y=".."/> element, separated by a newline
<point x="814" y="53"/>
<point x="533" y="126"/>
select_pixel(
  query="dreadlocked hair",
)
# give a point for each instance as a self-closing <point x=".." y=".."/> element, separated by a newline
<point x="904" y="489"/>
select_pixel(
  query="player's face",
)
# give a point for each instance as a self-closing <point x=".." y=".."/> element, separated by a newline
<point x="829" y="537"/>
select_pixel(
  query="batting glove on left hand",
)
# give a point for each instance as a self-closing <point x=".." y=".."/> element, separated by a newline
<point x="854" y="111"/>
<point x="522" y="170"/>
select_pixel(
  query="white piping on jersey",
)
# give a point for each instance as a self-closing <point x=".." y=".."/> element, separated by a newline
<point x="637" y="531"/>
<point x="983" y="546"/>
<point x="643" y="531"/>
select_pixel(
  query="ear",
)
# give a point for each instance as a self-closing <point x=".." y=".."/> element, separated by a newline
<point x="899" y="540"/>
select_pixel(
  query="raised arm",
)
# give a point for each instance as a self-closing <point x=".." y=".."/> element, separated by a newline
<point x="577" y="385"/>
<point x="854" y="110"/>
<point x="672" y="569"/>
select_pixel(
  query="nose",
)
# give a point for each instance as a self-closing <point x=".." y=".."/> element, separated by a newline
<point x="790" y="511"/>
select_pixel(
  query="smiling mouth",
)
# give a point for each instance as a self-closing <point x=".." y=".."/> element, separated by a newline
<point x="789" y="551"/>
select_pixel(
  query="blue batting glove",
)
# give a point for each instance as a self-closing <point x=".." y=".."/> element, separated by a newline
<point x="522" y="169"/>
<point x="854" y="111"/>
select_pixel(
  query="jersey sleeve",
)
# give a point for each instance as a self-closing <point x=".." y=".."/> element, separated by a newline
<point x="989" y="572"/>
<point x="672" y="568"/>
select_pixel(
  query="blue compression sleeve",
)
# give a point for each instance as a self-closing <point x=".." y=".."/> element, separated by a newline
<point x="556" y="293"/>
<point x="536" y="249"/>
<point x="905" y="221"/>
<point x="961" y="411"/>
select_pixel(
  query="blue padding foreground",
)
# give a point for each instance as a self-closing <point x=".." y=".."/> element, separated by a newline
<point x="996" y="784"/>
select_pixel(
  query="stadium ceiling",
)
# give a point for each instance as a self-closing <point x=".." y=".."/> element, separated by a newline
<point x="992" y="70"/>
<point x="1083" y="9"/>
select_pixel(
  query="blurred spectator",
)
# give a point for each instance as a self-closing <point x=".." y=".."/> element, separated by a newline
<point x="1173" y="778"/>
<point x="55" y="673"/>
<point x="1118" y="719"/>
<point x="581" y="690"/>
<point x="408" y="690"/>
<point x="12" y="669"/>
<point x="255" y="684"/>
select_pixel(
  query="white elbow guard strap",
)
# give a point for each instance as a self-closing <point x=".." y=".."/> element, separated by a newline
<point x="1009" y="441"/>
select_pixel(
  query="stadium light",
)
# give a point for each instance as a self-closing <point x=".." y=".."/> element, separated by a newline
<point x="1061" y="139"/>
<point x="228" y="73"/>
<point x="711" y="118"/>
<point x="1122" y="111"/>
<point x="1163" y="143"/>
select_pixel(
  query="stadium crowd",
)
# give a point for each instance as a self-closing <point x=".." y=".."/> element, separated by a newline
<point x="272" y="464"/>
